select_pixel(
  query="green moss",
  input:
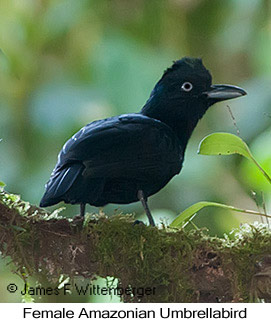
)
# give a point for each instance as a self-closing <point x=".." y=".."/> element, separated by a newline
<point x="182" y="266"/>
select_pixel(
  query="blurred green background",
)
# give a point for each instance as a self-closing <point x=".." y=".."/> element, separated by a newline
<point x="65" y="63"/>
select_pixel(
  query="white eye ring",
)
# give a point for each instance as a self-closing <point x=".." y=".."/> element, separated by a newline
<point x="187" y="86"/>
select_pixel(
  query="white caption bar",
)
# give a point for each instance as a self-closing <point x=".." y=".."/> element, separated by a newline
<point x="98" y="312"/>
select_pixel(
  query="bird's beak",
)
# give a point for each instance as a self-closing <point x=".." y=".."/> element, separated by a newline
<point x="221" y="92"/>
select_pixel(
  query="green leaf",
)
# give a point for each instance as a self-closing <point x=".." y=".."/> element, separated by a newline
<point x="222" y="143"/>
<point x="17" y="228"/>
<point x="2" y="184"/>
<point x="188" y="213"/>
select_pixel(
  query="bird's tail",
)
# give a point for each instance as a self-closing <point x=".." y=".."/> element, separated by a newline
<point x="59" y="183"/>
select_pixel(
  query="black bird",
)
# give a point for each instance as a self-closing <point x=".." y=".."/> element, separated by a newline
<point x="130" y="157"/>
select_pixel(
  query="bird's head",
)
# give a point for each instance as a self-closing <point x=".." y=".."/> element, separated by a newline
<point x="184" y="93"/>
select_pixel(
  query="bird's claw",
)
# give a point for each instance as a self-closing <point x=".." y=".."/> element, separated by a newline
<point x="138" y="222"/>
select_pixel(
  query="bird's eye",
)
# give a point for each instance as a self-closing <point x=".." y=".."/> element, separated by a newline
<point x="187" y="86"/>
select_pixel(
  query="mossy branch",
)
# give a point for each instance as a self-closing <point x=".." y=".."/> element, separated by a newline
<point x="183" y="266"/>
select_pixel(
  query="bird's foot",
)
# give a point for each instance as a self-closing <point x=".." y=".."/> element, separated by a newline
<point x="78" y="222"/>
<point x="138" y="222"/>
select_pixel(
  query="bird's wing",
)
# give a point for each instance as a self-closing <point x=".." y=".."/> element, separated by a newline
<point x="121" y="146"/>
<point x="127" y="146"/>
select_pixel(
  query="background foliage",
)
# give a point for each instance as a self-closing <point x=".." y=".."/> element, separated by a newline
<point x="65" y="63"/>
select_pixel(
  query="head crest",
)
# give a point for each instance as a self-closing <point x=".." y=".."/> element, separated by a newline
<point x="186" y="65"/>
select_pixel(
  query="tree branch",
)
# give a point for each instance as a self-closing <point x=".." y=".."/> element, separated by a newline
<point x="182" y="266"/>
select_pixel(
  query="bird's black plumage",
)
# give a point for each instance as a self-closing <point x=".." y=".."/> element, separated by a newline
<point x="130" y="157"/>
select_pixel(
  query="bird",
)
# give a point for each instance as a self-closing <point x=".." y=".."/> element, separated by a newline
<point x="130" y="157"/>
